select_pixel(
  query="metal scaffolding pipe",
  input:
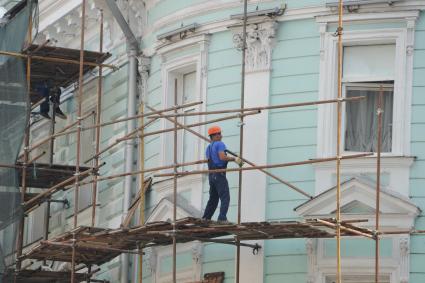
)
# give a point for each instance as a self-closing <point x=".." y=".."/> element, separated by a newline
<point x="279" y="165"/>
<point x="98" y="120"/>
<point x="245" y="160"/>
<point x="379" y="112"/>
<point x="55" y="60"/>
<point x="259" y="108"/>
<point x="129" y="147"/>
<point x="241" y="136"/>
<point x="338" y="146"/>
<point x="175" y="187"/>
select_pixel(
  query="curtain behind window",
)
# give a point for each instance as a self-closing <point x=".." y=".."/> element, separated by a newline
<point x="362" y="122"/>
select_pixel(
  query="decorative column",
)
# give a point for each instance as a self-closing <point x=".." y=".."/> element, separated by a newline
<point x="260" y="41"/>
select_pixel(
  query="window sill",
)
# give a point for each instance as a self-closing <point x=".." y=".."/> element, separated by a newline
<point x="388" y="160"/>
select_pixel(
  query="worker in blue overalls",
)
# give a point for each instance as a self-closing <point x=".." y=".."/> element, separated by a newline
<point x="219" y="187"/>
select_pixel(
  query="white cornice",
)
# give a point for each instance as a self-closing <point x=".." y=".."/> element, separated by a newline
<point x="53" y="10"/>
<point x="382" y="15"/>
<point x="290" y="14"/>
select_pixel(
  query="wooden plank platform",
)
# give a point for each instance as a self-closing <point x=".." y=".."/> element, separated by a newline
<point x="41" y="276"/>
<point x="61" y="74"/>
<point x="98" y="245"/>
<point x="44" y="176"/>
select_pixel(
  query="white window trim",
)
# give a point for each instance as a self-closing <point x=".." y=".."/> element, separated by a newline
<point x="189" y="274"/>
<point x="200" y="60"/>
<point x="403" y="38"/>
<point x="396" y="267"/>
<point x="355" y="84"/>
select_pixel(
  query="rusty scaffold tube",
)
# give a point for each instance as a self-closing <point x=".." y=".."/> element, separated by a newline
<point x="175" y="188"/>
<point x="338" y="144"/>
<point x="20" y="240"/>
<point x="55" y="60"/>
<point x="241" y="136"/>
<point x="379" y="112"/>
<point x="98" y="120"/>
<point x="78" y="145"/>
<point x="258" y="108"/>
<point x="128" y="119"/>
<point x="245" y="160"/>
<point x="269" y="166"/>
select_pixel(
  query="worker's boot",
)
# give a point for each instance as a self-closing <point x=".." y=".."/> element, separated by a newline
<point x="59" y="113"/>
<point x="45" y="115"/>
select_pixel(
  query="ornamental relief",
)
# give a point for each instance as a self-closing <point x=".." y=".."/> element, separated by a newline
<point x="260" y="40"/>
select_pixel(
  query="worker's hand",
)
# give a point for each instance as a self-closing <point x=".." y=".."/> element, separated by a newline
<point x="239" y="161"/>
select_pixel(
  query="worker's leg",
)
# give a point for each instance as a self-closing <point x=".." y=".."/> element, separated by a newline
<point x="223" y="192"/>
<point x="44" y="106"/>
<point x="212" y="201"/>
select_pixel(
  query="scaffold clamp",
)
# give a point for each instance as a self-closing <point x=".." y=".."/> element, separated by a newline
<point x="256" y="249"/>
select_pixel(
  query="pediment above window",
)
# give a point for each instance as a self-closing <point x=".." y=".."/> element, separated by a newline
<point x="358" y="201"/>
<point x="163" y="211"/>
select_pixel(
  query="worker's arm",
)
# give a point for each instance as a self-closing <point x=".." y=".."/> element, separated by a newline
<point x="224" y="157"/>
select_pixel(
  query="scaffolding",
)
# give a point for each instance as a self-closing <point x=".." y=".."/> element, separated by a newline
<point x="84" y="247"/>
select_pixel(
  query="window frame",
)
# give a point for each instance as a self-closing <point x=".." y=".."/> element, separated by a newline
<point x="170" y="71"/>
<point x="402" y="86"/>
<point x="366" y="85"/>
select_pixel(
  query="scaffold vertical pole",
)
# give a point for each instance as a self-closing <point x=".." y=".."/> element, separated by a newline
<point x="379" y="112"/>
<point x="241" y="134"/>
<point x="338" y="144"/>
<point x="73" y="252"/>
<point x="175" y="187"/>
<point x="98" y="121"/>
<point x="78" y="145"/>
<point x="79" y="111"/>
<point x="142" y="182"/>
<point x="20" y="241"/>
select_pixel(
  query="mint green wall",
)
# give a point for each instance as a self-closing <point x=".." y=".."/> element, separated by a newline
<point x="292" y="136"/>
<point x="417" y="176"/>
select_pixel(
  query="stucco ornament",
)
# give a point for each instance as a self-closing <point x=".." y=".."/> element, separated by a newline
<point x="404" y="259"/>
<point x="260" y="40"/>
<point x="151" y="260"/>
<point x="311" y="246"/>
<point x="197" y="253"/>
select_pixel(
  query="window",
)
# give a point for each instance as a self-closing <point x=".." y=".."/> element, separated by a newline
<point x="182" y="82"/>
<point x="370" y="58"/>
<point x="361" y="121"/>
<point x="363" y="67"/>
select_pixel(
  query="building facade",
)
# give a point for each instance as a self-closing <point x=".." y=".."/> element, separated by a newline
<point x="191" y="50"/>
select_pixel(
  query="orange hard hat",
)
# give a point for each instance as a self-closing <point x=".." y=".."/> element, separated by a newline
<point x="214" y="130"/>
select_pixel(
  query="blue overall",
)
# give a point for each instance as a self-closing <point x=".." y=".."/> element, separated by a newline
<point x="219" y="187"/>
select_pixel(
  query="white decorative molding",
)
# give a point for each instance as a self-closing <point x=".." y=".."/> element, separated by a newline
<point x="311" y="247"/>
<point x="172" y="67"/>
<point x="404" y="259"/>
<point x="163" y="212"/>
<point x="402" y="38"/>
<point x="151" y="260"/>
<point x="396" y="168"/>
<point x="260" y="40"/>
<point x="357" y="202"/>
<point x="289" y="15"/>
<point x="142" y="83"/>
<point x="396" y="210"/>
